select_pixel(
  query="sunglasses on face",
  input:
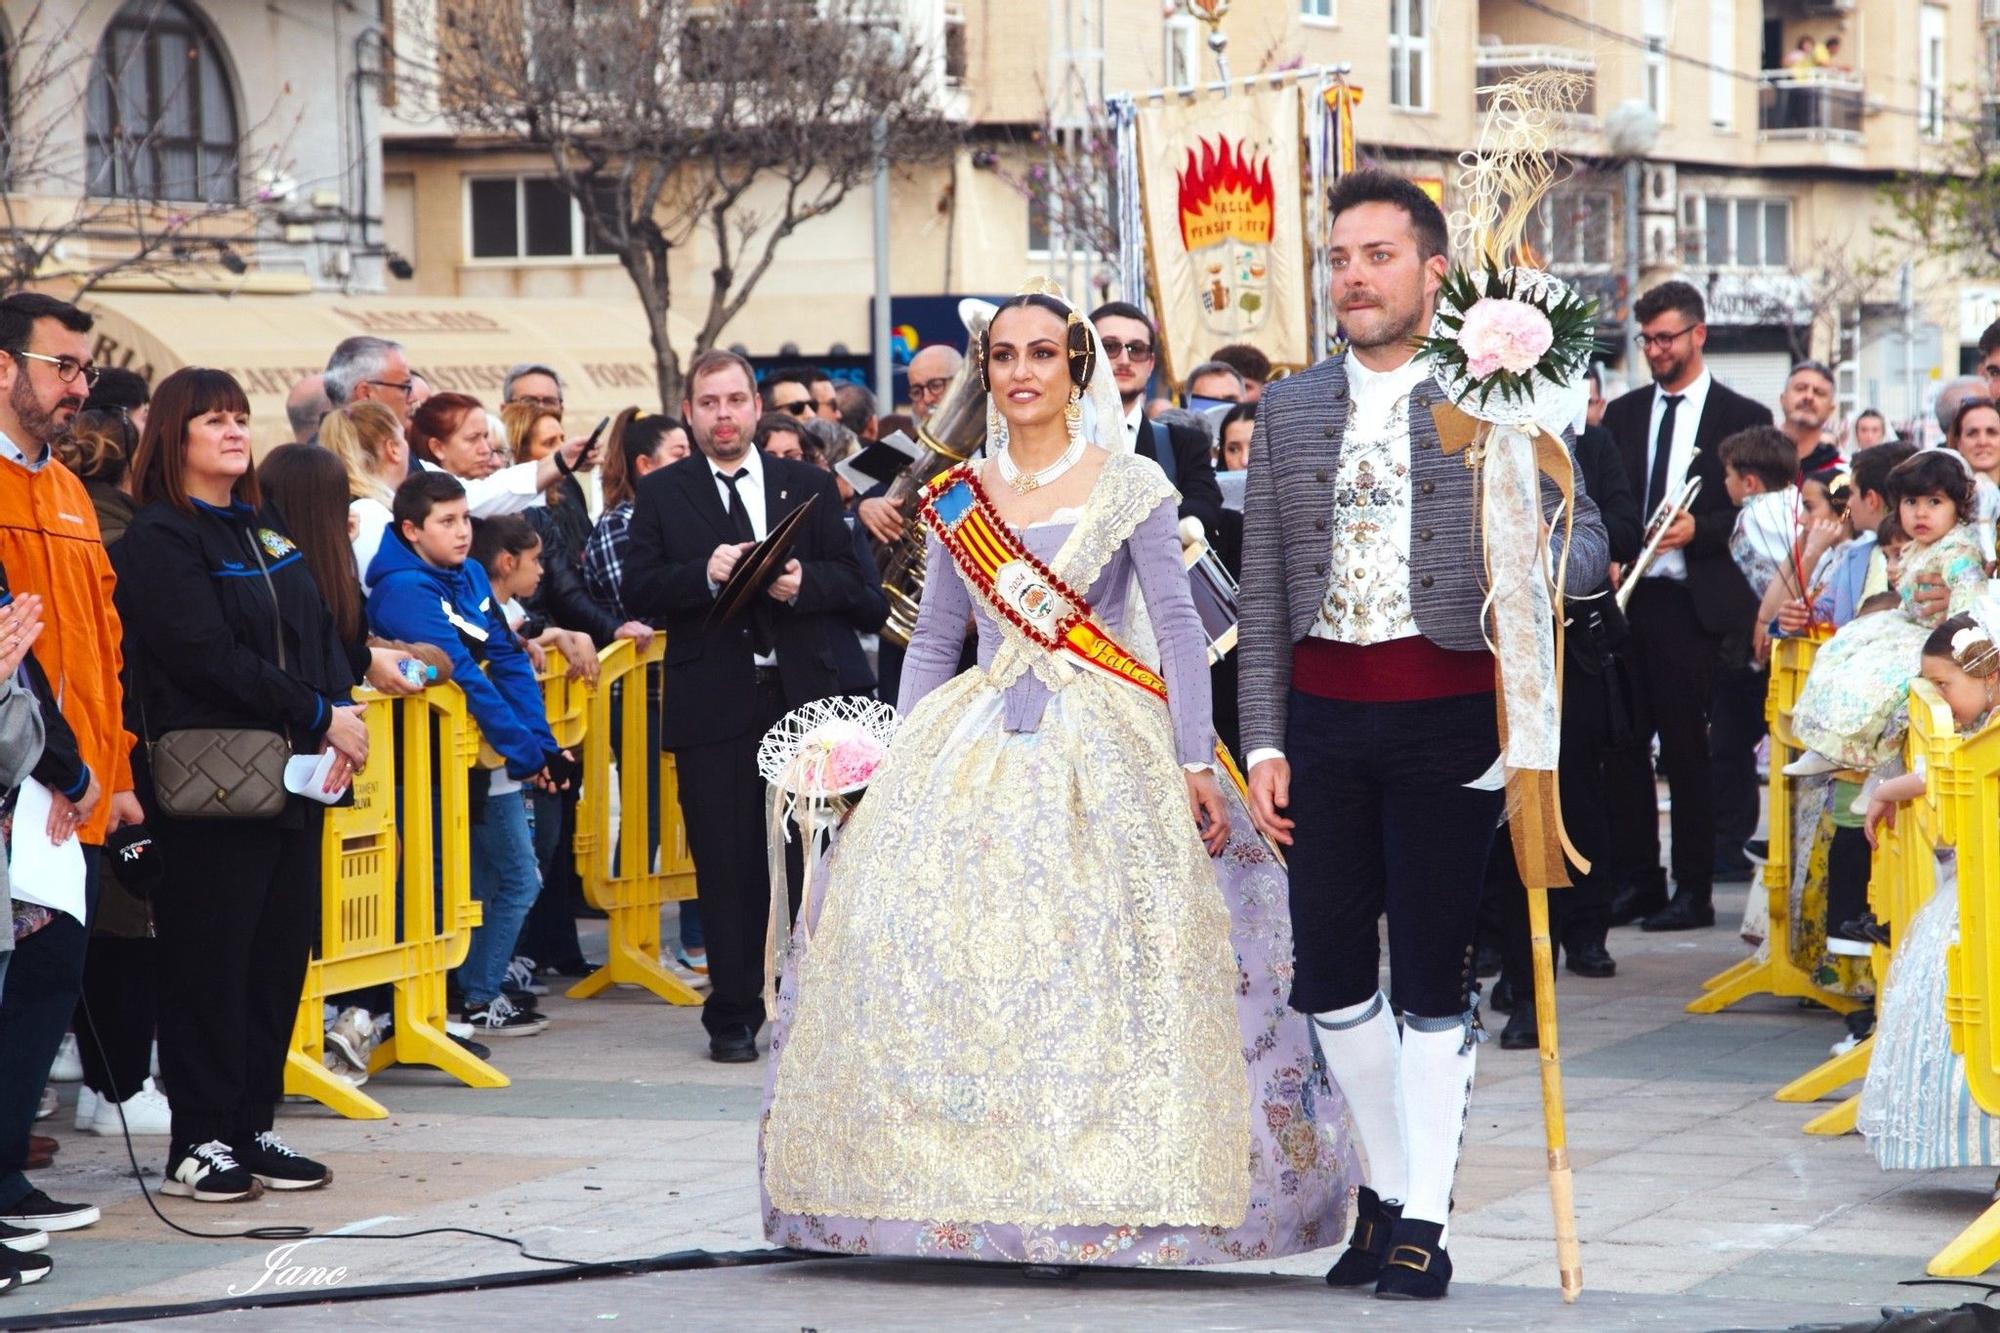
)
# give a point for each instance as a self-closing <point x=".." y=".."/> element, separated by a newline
<point x="1132" y="351"/>
<point x="797" y="409"/>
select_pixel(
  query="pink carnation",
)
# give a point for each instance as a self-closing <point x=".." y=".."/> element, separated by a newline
<point x="852" y="761"/>
<point x="1504" y="335"/>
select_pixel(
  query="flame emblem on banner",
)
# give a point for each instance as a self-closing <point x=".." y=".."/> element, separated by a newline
<point x="1228" y="212"/>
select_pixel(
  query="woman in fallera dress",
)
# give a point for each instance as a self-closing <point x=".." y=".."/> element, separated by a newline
<point x="1041" y="1014"/>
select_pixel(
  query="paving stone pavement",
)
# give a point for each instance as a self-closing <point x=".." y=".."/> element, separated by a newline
<point x="1700" y="1204"/>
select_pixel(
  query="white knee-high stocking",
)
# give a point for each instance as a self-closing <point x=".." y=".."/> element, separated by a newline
<point x="1364" y="1054"/>
<point x="1437" y="1070"/>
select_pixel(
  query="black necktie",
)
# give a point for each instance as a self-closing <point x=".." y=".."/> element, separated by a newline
<point x="1663" y="448"/>
<point x="739" y="518"/>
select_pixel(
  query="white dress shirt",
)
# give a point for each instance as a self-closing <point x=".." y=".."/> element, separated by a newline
<point x="751" y="487"/>
<point x="1135" y="421"/>
<point x="1680" y="457"/>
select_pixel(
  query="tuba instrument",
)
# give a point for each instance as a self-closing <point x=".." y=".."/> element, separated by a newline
<point x="1656" y="531"/>
<point x="953" y="433"/>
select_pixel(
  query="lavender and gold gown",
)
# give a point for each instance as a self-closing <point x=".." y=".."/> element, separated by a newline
<point x="1034" y="1022"/>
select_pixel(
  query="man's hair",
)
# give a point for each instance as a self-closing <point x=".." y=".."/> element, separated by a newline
<point x="1935" y="472"/>
<point x="356" y="359"/>
<point x="1676" y="295"/>
<point x="857" y="404"/>
<point x="775" y="423"/>
<point x="1990" y="339"/>
<point x="306" y="415"/>
<point x="1126" y="310"/>
<point x="1954" y="392"/>
<point x="523" y="370"/>
<point x="1819" y="368"/>
<point x="19" y="312"/>
<point x="1382" y="187"/>
<point x="1181" y="416"/>
<point x="1249" y="363"/>
<point x="421" y="492"/>
<point x="1871" y="467"/>
<point x="803" y="376"/>
<point x="1763" y="452"/>
<point x="830" y="440"/>
<point x="714" y="359"/>
<point x="1216" y="368"/>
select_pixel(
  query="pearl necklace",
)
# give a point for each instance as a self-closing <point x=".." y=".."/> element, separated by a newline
<point x="1023" y="482"/>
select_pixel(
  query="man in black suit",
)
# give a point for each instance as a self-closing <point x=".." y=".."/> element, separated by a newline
<point x="1184" y="454"/>
<point x="1691" y="608"/>
<point x="726" y="684"/>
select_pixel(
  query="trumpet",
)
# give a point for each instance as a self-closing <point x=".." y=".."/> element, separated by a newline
<point x="1656" y="531"/>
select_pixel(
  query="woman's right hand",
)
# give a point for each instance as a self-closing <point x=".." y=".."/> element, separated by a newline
<point x="385" y="675"/>
<point x="348" y="734"/>
<point x="20" y="626"/>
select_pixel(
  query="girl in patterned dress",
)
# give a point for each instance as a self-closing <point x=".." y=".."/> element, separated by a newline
<point x="1849" y="715"/>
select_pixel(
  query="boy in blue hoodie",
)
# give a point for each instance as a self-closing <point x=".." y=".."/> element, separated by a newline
<point x="424" y="589"/>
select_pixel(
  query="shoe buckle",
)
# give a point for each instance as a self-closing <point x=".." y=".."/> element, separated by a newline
<point x="1364" y="1234"/>
<point x="1400" y="1258"/>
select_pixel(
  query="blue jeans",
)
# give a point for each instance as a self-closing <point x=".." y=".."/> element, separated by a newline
<point x="505" y="880"/>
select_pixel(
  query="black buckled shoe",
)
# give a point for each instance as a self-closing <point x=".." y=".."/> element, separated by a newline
<point x="1522" y="1032"/>
<point x="1361" y="1264"/>
<point x="1589" y="958"/>
<point x="1417" y="1267"/>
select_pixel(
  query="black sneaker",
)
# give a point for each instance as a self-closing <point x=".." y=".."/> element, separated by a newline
<point x="572" y="967"/>
<point x="499" y="1018"/>
<point x="279" y="1168"/>
<point x="38" y="1212"/>
<point x="209" y="1173"/>
<point x="471" y="1047"/>
<point x="22" y="1240"/>
<point x="526" y="1001"/>
<point x="27" y="1269"/>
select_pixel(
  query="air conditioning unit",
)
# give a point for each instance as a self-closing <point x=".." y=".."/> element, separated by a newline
<point x="1658" y="190"/>
<point x="1659" y="241"/>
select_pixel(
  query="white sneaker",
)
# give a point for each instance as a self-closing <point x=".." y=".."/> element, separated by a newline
<point x="1810" y="765"/>
<point x="353" y="1036"/>
<point x="86" y="1109"/>
<point x="146" y="1113"/>
<point x="454" y="1028"/>
<point x="341" y="1070"/>
<point x="1845" y="1044"/>
<point x="68" y="1067"/>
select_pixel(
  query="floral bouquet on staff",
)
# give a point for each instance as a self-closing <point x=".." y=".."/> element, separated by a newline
<point x="1514" y="334"/>
<point x="816" y="760"/>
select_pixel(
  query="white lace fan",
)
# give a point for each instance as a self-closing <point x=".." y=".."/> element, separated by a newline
<point x="827" y="748"/>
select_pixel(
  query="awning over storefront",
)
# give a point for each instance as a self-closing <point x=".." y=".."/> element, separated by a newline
<point x="467" y="345"/>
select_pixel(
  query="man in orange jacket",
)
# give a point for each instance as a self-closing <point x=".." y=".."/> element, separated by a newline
<point x="49" y="545"/>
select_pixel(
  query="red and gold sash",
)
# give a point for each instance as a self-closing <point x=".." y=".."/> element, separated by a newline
<point x="1017" y="587"/>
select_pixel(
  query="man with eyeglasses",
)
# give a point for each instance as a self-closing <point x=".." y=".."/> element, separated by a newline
<point x="535" y="384"/>
<point x="1691" y="612"/>
<point x="931" y="372"/>
<point x="1183" y="453"/>
<point x="790" y="391"/>
<point x="50" y="548"/>
<point x="368" y="369"/>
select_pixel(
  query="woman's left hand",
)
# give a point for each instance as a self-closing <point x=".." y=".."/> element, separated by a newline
<point x="385" y="675"/>
<point x="1210" y="815"/>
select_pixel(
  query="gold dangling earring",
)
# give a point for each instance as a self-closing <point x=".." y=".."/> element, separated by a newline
<point x="1073" y="413"/>
<point x="996" y="429"/>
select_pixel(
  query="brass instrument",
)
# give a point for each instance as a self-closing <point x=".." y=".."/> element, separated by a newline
<point x="1656" y="531"/>
<point x="954" y="433"/>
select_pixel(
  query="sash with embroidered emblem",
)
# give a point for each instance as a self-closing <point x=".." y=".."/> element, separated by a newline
<point x="1017" y="586"/>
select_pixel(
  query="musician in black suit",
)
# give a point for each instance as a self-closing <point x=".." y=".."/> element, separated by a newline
<point x="726" y="684"/>
<point x="1186" y="455"/>
<point x="1692" y="608"/>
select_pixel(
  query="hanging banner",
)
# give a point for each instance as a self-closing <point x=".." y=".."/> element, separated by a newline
<point x="1224" y="192"/>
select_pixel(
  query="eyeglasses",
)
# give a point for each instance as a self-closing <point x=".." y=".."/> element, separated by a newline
<point x="535" y="400"/>
<point x="400" y="386"/>
<point x="929" y="388"/>
<point x="1662" y="341"/>
<point x="1135" y="351"/>
<point x="67" y="367"/>
<point x="799" y="408"/>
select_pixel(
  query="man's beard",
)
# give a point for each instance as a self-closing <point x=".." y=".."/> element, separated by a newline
<point x="726" y="451"/>
<point x="40" y="425"/>
<point x="1400" y="333"/>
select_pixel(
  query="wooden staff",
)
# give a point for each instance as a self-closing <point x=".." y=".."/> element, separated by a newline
<point x="1562" y="1198"/>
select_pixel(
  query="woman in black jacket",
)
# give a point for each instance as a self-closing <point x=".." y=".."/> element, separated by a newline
<point x="224" y="627"/>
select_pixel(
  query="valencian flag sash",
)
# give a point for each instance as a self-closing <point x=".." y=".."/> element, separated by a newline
<point x="1019" y="587"/>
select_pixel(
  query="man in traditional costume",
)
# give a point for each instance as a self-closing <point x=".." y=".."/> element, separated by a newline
<point x="1370" y="719"/>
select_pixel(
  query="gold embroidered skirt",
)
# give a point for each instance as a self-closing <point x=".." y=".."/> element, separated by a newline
<point x="1019" y="1002"/>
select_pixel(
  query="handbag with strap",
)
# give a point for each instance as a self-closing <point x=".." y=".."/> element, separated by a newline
<point x="222" y="772"/>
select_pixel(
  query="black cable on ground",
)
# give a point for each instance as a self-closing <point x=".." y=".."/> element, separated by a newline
<point x="679" y="1261"/>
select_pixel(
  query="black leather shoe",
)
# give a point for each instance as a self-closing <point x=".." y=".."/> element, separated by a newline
<point x="1361" y="1264"/>
<point x="1688" y="911"/>
<point x="1634" y="901"/>
<point x="1590" y="959"/>
<point x="1502" y="999"/>
<point x="1417" y="1268"/>
<point x="1521" y="1033"/>
<point x="733" y="1046"/>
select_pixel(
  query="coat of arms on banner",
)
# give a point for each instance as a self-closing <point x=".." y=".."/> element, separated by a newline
<point x="1227" y="216"/>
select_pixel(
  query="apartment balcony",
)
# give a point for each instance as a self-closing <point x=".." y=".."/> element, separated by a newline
<point x="1497" y="64"/>
<point x="1810" y="106"/>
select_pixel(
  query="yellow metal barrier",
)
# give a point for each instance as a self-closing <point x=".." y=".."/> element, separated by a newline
<point x="622" y="878"/>
<point x="360" y="945"/>
<point x="1776" y="973"/>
